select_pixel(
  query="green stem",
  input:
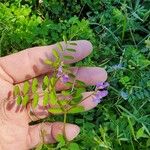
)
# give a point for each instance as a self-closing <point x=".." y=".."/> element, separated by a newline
<point x="65" y="117"/>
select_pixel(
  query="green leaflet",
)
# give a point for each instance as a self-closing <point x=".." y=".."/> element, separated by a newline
<point x="35" y="100"/>
<point x="76" y="109"/>
<point x="72" y="43"/>
<point x="53" y="97"/>
<point x="80" y="91"/>
<point x="63" y="102"/>
<point x="46" y="98"/>
<point x="65" y="39"/>
<point x="16" y="90"/>
<point x="52" y="81"/>
<point x="77" y="96"/>
<point x="19" y="100"/>
<point x="55" y="53"/>
<point x="55" y="110"/>
<point x="26" y="87"/>
<point x="25" y="100"/>
<point x="59" y="47"/>
<point x="69" y="84"/>
<point x="140" y="133"/>
<point x="34" y="85"/>
<point x="73" y="146"/>
<point x="46" y="81"/>
<point x="39" y="147"/>
<point x="71" y="50"/>
<point x="48" y="62"/>
<point x="76" y="99"/>
<point x="80" y="83"/>
<point x="65" y="93"/>
<point x="60" y="138"/>
<point x="68" y="57"/>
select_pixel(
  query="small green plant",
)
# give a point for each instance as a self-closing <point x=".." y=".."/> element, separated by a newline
<point x="67" y="101"/>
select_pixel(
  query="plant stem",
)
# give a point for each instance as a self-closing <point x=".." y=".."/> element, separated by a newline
<point x="65" y="117"/>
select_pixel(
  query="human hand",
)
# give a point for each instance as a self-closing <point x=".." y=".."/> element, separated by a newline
<point x="25" y="65"/>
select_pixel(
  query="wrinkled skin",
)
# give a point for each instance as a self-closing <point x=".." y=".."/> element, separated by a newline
<point x="15" y="132"/>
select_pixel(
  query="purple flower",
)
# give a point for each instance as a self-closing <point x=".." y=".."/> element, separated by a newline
<point x="65" y="78"/>
<point x="99" y="95"/>
<point x="96" y="100"/>
<point x="102" y="94"/>
<point x="102" y="85"/>
<point x="60" y="72"/>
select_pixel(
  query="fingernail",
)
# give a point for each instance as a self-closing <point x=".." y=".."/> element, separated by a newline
<point x="71" y="131"/>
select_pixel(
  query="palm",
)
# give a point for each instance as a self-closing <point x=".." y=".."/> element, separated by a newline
<point x="14" y="126"/>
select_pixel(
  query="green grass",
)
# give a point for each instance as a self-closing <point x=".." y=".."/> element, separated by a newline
<point x="119" y="31"/>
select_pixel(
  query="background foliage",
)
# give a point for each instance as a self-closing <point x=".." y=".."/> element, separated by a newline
<point x="119" y="31"/>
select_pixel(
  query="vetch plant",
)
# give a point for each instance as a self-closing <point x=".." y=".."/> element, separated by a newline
<point x="55" y="102"/>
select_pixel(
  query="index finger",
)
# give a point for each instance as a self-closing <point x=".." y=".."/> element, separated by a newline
<point x="29" y="63"/>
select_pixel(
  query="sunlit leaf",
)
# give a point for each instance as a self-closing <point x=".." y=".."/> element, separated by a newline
<point x="34" y="85"/>
<point x="19" y="100"/>
<point x="53" y="97"/>
<point x="16" y="90"/>
<point x="46" y="98"/>
<point x="69" y="84"/>
<point x="65" y="93"/>
<point x="39" y="147"/>
<point x="55" y="110"/>
<point x="25" y="100"/>
<point x="52" y="80"/>
<point x="76" y="109"/>
<point x="48" y="62"/>
<point x="26" y="87"/>
<point x="79" y="91"/>
<point x="63" y="102"/>
<point x="73" y="146"/>
<point x="50" y="87"/>
<point x="46" y="81"/>
<point x="35" y="100"/>
<point x="55" y="53"/>
<point x="65" y="39"/>
<point x="60" y="138"/>
<point x="140" y="133"/>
